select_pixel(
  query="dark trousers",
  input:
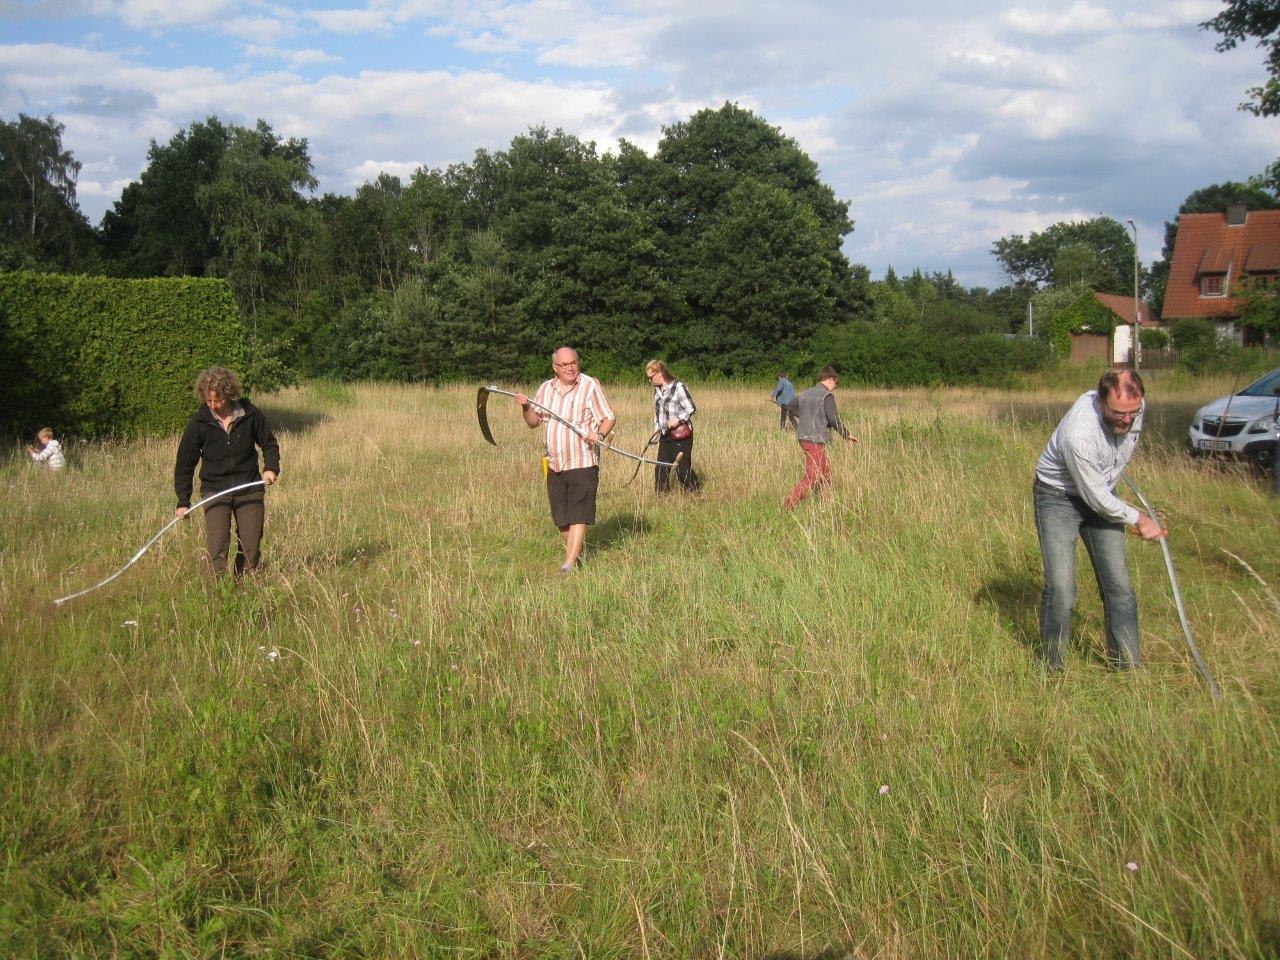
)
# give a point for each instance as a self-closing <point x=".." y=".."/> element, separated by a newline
<point x="249" y="514"/>
<point x="784" y="415"/>
<point x="1060" y="519"/>
<point x="667" y="450"/>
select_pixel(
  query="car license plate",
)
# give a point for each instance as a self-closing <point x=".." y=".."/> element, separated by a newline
<point x="1213" y="444"/>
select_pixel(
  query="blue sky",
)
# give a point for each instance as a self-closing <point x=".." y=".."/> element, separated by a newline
<point x="946" y="126"/>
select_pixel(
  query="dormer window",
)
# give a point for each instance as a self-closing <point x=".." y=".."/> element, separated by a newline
<point x="1211" y="285"/>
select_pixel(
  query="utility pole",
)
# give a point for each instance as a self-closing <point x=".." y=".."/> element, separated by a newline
<point x="1031" y="319"/>
<point x="1135" y="345"/>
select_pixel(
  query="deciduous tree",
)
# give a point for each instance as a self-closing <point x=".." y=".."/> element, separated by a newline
<point x="157" y="228"/>
<point x="1031" y="259"/>
<point x="258" y="216"/>
<point x="40" y="220"/>
<point x="1253" y="20"/>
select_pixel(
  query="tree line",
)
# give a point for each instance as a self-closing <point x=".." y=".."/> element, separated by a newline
<point x="720" y="251"/>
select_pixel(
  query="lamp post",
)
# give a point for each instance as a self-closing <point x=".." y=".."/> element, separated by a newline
<point x="1135" y="345"/>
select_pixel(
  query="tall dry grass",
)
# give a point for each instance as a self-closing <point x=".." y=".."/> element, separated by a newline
<point x="736" y="733"/>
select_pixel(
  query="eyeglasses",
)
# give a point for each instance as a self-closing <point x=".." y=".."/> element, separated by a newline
<point x="1120" y="416"/>
<point x="566" y="363"/>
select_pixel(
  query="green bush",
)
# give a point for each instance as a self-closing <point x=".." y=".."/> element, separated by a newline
<point x="95" y="356"/>
<point x="1152" y="338"/>
<point x="1198" y="344"/>
<point x="890" y="356"/>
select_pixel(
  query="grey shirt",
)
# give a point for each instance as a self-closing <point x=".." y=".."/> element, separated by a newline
<point x="1084" y="458"/>
<point x="816" y="416"/>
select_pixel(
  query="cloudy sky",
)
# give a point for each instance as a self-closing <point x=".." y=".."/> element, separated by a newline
<point x="945" y="125"/>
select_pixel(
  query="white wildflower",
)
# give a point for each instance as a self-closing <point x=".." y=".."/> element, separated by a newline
<point x="884" y="789"/>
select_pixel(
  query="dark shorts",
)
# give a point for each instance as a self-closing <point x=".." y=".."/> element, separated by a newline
<point x="573" y="495"/>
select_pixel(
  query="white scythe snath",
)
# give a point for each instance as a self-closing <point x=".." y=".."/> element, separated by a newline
<point x="163" y="530"/>
<point x="1177" y="594"/>
<point x="482" y="414"/>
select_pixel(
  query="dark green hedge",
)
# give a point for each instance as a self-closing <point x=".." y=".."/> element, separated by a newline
<point x="883" y="355"/>
<point x="97" y="356"/>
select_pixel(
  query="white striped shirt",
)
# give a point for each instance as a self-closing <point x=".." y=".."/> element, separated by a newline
<point x="585" y="406"/>
<point x="1084" y="459"/>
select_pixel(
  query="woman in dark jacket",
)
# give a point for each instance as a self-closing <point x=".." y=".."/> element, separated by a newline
<point x="224" y="436"/>
<point x="673" y="411"/>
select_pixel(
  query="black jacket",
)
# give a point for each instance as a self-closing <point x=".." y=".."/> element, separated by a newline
<point x="227" y="458"/>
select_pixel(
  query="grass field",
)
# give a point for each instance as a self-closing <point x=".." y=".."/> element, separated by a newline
<point x="735" y="733"/>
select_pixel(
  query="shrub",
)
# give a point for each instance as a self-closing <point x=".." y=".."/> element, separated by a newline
<point x="97" y="355"/>
<point x="891" y="356"/>
<point x="1153" y="338"/>
<point x="1198" y="344"/>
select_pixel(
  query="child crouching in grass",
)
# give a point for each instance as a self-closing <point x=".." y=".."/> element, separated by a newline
<point x="49" y="451"/>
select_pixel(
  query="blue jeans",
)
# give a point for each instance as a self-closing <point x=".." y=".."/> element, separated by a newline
<point x="1059" y="520"/>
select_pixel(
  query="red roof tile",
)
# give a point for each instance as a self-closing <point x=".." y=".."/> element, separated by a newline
<point x="1122" y="307"/>
<point x="1263" y="258"/>
<point x="1206" y="244"/>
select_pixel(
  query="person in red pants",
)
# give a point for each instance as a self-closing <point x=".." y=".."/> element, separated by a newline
<point x="816" y="416"/>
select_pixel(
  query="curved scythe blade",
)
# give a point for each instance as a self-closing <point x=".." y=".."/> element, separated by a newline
<point x="640" y="463"/>
<point x="482" y="414"/>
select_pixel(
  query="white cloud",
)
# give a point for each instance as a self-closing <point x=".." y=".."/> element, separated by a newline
<point x="256" y="29"/>
<point x="157" y="14"/>
<point x="295" y="58"/>
<point x="1081" y="17"/>
<point x="369" y="170"/>
<point x="487" y="42"/>
<point x="350" y="21"/>
<point x="813" y="134"/>
<point x="416" y="117"/>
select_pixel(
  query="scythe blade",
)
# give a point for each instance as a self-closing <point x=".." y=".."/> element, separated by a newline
<point x="482" y="414"/>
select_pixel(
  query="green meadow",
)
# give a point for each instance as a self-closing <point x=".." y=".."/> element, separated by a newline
<point x="734" y="733"/>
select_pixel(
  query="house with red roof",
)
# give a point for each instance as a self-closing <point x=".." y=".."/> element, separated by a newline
<point x="1212" y="255"/>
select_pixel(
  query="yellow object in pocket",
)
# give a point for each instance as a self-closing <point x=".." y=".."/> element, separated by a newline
<point x="546" y="466"/>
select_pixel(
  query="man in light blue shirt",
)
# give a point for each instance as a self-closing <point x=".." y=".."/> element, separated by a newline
<point x="783" y="394"/>
<point x="1074" y="494"/>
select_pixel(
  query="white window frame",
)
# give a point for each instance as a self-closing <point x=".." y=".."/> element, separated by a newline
<point x="1222" y="292"/>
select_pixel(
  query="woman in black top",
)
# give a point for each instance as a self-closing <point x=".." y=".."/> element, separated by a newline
<point x="224" y="436"/>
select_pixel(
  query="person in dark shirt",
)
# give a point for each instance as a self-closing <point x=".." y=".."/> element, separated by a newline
<point x="224" y="436"/>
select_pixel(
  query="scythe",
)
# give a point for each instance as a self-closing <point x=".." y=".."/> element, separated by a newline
<point x="482" y="414"/>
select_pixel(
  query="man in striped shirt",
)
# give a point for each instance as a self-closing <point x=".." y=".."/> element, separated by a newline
<point x="1074" y="495"/>
<point x="573" y="472"/>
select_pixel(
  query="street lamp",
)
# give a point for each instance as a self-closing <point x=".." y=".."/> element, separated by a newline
<point x="1135" y="344"/>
